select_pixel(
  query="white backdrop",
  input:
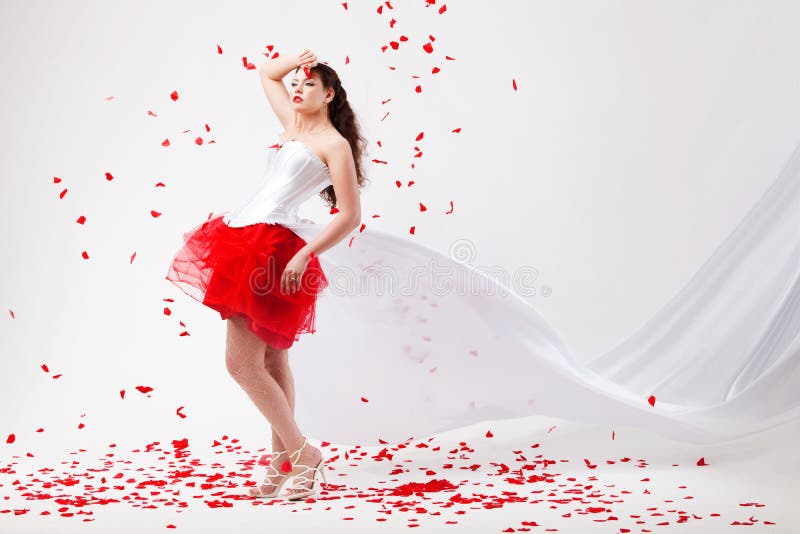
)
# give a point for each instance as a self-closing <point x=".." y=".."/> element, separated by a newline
<point x="629" y="121"/>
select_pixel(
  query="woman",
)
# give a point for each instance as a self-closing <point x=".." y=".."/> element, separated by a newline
<point x="263" y="277"/>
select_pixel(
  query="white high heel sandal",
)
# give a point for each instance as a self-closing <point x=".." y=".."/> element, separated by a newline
<point x="301" y="479"/>
<point x="271" y="472"/>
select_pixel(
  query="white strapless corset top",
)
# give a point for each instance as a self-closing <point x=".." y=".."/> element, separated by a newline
<point x="294" y="174"/>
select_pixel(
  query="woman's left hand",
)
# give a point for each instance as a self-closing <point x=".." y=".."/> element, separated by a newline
<point x="293" y="273"/>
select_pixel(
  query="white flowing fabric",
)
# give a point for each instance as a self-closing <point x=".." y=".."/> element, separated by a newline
<point x="432" y="344"/>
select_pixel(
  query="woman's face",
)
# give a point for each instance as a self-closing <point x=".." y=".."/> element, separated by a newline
<point x="307" y="93"/>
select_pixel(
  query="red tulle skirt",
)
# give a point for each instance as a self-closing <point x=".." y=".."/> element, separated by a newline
<point x="237" y="272"/>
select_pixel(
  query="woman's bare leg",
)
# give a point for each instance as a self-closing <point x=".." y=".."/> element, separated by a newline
<point x="244" y="359"/>
<point x="276" y="362"/>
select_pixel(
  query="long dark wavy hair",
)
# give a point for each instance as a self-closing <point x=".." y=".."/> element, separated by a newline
<point x="344" y="120"/>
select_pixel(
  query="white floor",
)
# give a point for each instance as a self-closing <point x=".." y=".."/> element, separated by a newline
<point x="460" y="482"/>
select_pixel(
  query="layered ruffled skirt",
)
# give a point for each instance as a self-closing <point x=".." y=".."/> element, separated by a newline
<point x="237" y="271"/>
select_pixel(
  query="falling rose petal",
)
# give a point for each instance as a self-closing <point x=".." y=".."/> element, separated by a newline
<point x="45" y="368"/>
<point x="80" y="426"/>
<point x="344" y="4"/>
<point x="207" y="127"/>
<point x="184" y="333"/>
<point x="457" y="130"/>
<point x="85" y="255"/>
<point x="489" y="434"/>
<point x="702" y="461"/>
<point x="56" y="180"/>
<point x="422" y="207"/>
<point x="451" y="208"/>
<point x="198" y="141"/>
<point x="167" y="311"/>
<point x="108" y="98"/>
<point x="181" y="415"/>
<point x="122" y="394"/>
<point x="420" y="136"/>
<point x="155" y="214"/>
<point x="144" y="389"/>
<point x="441" y="11"/>
<point x="418" y="89"/>
<point x="612" y="434"/>
<point x="81" y="220"/>
<point x="219" y="49"/>
<point x="428" y="47"/>
<point x="56" y="377"/>
<point x="362" y="227"/>
<point x="410" y="183"/>
<point x="412" y="229"/>
<point x="364" y="399"/>
<point x="109" y="176"/>
<point x="165" y="142"/>
<point x="152" y="114"/>
<point x="133" y="257"/>
<point x="174" y="95"/>
<point x="11" y="438"/>
<point x="652" y="400"/>
<point x="160" y="184"/>
<point x="346" y="60"/>
<point x="398" y="183"/>
<point x="11" y="312"/>
<point x="307" y="71"/>
<point x="61" y="195"/>
<point x="514" y="83"/>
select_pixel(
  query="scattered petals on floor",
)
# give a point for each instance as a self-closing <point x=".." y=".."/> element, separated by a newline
<point x="416" y="483"/>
